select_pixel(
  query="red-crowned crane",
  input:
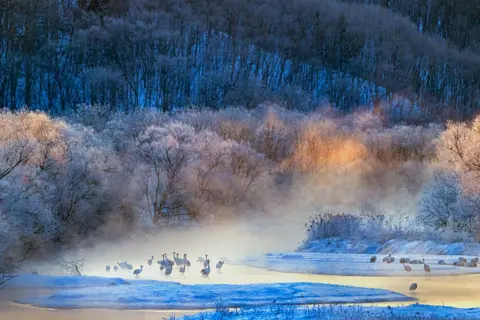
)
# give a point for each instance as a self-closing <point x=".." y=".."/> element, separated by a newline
<point x="206" y="271"/>
<point x="138" y="271"/>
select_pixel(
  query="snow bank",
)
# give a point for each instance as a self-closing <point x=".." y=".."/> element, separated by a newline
<point x="414" y="311"/>
<point x="172" y="295"/>
<point x="352" y="264"/>
<point x="27" y="281"/>
<point x="338" y="245"/>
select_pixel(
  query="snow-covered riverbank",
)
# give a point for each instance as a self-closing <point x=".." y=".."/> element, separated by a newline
<point x="114" y="293"/>
<point x="353" y="264"/>
<point x="339" y="245"/>
<point x="410" y="312"/>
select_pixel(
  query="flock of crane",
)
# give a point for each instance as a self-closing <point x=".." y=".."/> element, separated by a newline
<point x="166" y="265"/>
<point x="183" y="264"/>
<point x="461" y="262"/>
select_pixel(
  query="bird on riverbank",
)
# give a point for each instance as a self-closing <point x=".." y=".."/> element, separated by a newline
<point x="426" y="267"/>
<point x="182" y="269"/>
<point x="187" y="262"/>
<point x="462" y="259"/>
<point x="138" y="271"/>
<point x="168" y="262"/>
<point x="219" y="265"/>
<point x="179" y="261"/>
<point x="206" y="271"/>
<point x="124" y="265"/>
<point x="175" y="255"/>
<point x="373" y="259"/>
<point x="163" y="263"/>
<point x="388" y="259"/>
<point x="168" y="270"/>
<point x="476" y="260"/>
<point x="150" y="261"/>
<point x="206" y="262"/>
<point x="160" y="262"/>
<point x="459" y="264"/>
<point x="115" y="268"/>
<point x="442" y="262"/>
<point x="413" y="287"/>
<point x="407" y="268"/>
<point x="107" y="268"/>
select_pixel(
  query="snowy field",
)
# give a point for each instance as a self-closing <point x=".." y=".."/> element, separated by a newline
<point x="397" y="247"/>
<point x="415" y="311"/>
<point x="88" y="292"/>
<point x="353" y="264"/>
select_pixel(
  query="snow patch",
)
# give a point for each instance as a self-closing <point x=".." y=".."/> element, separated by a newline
<point x="26" y="281"/>
<point x="338" y="245"/>
<point x="147" y="294"/>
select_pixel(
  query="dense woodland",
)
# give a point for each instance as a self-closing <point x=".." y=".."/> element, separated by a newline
<point x="122" y="115"/>
<point x="57" y="54"/>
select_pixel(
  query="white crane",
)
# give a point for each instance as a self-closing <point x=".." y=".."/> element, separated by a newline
<point x="206" y="271"/>
<point x="388" y="259"/>
<point x="426" y="267"/>
<point x="182" y="269"/>
<point x="413" y="286"/>
<point x="138" y="271"/>
<point x="168" y="270"/>
<point x="175" y="258"/>
<point x="187" y="262"/>
<point x="179" y="260"/>
<point x="170" y="262"/>
<point x="206" y="262"/>
<point x="162" y="262"/>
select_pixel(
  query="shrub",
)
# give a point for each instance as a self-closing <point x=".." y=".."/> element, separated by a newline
<point x="444" y="206"/>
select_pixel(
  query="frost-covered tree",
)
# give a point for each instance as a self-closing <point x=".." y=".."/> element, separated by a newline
<point x="160" y="176"/>
<point x="223" y="173"/>
<point x="459" y="148"/>
<point x="444" y="206"/>
<point x="85" y="191"/>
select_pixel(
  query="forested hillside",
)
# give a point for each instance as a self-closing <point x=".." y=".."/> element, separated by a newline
<point x="55" y="55"/>
<point x="457" y="22"/>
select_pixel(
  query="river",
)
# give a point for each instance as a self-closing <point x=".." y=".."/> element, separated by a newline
<point x="457" y="291"/>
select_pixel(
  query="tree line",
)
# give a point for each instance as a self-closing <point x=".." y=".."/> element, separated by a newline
<point x="56" y="55"/>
